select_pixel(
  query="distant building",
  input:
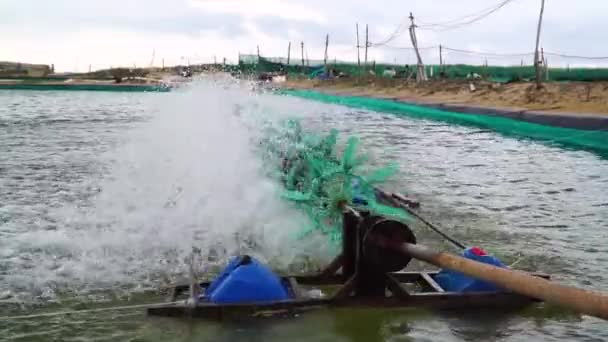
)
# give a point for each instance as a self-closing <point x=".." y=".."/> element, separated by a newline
<point x="16" y="69"/>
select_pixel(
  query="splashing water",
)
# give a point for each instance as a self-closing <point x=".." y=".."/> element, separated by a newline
<point x="190" y="176"/>
<point x="321" y="181"/>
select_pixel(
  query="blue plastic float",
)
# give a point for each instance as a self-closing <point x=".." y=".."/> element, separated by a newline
<point x="245" y="280"/>
<point x="457" y="282"/>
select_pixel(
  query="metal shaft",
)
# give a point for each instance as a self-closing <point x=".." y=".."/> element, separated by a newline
<point x="584" y="301"/>
<point x="401" y="202"/>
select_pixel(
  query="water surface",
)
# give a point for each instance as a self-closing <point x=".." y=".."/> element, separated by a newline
<point x="102" y="194"/>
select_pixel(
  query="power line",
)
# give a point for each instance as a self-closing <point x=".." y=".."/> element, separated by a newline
<point x="468" y="20"/>
<point x="469" y="52"/>
<point x="443" y="26"/>
<point x="466" y="17"/>
<point x="554" y="54"/>
<point x="396" y="34"/>
<point x="575" y="57"/>
<point x="408" y="47"/>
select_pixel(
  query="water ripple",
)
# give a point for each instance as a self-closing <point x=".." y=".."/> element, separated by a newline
<point x="516" y="198"/>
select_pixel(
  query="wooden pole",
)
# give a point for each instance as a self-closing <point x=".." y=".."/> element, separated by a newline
<point x="302" y="54"/>
<point x="366" y="46"/>
<point x="536" y="56"/>
<point x="325" y="56"/>
<point x="358" y="53"/>
<point x="421" y="73"/>
<point x="258" y="53"/>
<point x="288" y="52"/>
<point x="441" y="56"/>
<point x="543" y="63"/>
<point x="584" y="301"/>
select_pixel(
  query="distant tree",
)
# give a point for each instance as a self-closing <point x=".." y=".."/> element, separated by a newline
<point x="139" y="72"/>
<point x="118" y="74"/>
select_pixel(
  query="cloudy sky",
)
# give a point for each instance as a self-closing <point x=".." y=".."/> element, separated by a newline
<point x="74" y="34"/>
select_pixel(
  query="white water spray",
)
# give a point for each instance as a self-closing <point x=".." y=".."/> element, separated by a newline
<point x="188" y="177"/>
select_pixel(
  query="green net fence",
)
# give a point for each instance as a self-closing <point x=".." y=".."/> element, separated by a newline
<point x="594" y="141"/>
<point x="520" y="73"/>
<point x="502" y="74"/>
<point x="253" y="64"/>
<point x="319" y="179"/>
<point x="85" y="87"/>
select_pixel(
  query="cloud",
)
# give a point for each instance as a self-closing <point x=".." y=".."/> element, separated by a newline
<point x="124" y="32"/>
<point x="262" y="8"/>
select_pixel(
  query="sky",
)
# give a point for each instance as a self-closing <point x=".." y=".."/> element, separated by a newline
<point x="77" y="34"/>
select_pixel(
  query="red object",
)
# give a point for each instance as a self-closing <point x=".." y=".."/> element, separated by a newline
<point x="478" y="251"/>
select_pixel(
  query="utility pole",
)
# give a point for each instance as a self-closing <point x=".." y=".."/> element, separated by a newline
<point x="325" y="57"/>
<point x="543" y="64"/>
<point x="421" y="73"/>
<point x="302" y="54"/>
<point x="358" y="52"/>
<point x="288" y="52"/>
<point x="153" y="57"/>
<point x="485" y="66"/>
<point x="536" y="52"/>
<point x="258" y="53"/>
<point x="366" y="46"/>
<point x="440" y="57"/>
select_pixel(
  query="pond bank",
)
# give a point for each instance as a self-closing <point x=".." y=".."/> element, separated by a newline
<point x="567" y="105"/>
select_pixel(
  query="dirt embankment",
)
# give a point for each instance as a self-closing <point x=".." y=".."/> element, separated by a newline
<point x="573" y="98"/>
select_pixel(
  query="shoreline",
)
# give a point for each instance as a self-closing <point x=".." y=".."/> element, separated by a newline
<point x="83" y="85"/>
<point x="457" y="102"/>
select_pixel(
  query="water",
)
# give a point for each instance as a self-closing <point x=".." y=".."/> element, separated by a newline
<point x="102" y="196"/>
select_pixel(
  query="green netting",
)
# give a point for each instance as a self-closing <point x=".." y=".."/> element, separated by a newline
<point x="319" y="180"/>
<point x="36" y="79"/>
<point x="502" y="74"/>
<point x="250" y="65"/>
<point x="595" y="141"/>
<point x="254" y="64"/>
<point x="516" y="73"/>
<point x="95" y="87"/>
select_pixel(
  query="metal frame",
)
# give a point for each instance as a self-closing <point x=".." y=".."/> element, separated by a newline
<point x="431" y="296"/>
<point x="358" y="285"/>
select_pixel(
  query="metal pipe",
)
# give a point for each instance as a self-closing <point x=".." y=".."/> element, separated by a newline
<point x="584" y="301"/>
<point x="436" y="229"/>
<point x="399" y="201"/>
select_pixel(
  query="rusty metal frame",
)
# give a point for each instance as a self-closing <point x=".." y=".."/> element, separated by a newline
<point x="345" y="272"/>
